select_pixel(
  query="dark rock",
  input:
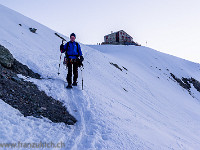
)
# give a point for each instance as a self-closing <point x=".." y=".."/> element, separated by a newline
<point x="116" y="66"/>
<point x="16" y="79"/>
<point x="184" y="84"/>
<point x="1" y="76"/>
<point x="1" y="93"/>
<point x="19" y="68"/>
<point x="27" y="98"/>
<point x="70" y="122"/>
<point x="125" y="68"/>
<point x="125" y="90"/>
<point x="6" y="58"/>
<point x="195" y="83"/>
<point x="33" y="30"/>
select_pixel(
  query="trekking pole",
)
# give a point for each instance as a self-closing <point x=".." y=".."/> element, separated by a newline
<point x="59" y="64"/>
<point x="60" y="61"/>
<point x="82" y="76"/>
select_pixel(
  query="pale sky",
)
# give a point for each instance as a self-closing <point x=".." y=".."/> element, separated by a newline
<point x="169" y="26"/>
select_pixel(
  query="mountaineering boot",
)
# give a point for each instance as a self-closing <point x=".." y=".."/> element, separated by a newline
<point x="74" y="84"/>
<point x="69" y="86"/>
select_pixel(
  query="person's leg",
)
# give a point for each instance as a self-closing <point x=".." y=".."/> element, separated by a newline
<point x="75" y="72"/>
<point x="69" y="74"/>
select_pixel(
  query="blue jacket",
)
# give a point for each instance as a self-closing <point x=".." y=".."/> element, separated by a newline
<point x="72" y="50"/>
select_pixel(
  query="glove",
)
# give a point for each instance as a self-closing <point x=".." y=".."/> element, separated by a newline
<point x="61" y="47"/>
<point x="81" y="59"/>
<point x="80" y="64"/>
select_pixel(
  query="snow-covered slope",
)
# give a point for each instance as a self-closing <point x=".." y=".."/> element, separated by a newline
<point x="137" y="107"/>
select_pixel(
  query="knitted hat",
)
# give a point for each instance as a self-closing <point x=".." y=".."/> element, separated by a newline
<point x="73" y="35"/>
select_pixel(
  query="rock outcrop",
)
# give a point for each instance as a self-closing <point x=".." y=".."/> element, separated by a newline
<point x="6" y="58"/>
<point x="187" y="82"/>
<point x="25" y="96"/>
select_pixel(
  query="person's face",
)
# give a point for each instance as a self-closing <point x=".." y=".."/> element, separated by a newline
<point x="72" y="38"/>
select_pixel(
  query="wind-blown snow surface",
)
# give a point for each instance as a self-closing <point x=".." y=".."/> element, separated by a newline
<point x="137" y="108"/>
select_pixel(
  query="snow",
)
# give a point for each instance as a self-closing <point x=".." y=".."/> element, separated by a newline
<point x="137" y="108"/>
<point x="15" y="127"/>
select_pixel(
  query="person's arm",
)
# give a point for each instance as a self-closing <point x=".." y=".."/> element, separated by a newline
<point x="79" y="50"/>
<point x="80" y="53"/>
<point x="63" y="48"/>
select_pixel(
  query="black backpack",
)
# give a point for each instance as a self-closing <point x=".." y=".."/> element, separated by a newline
<point x="67" y="50"/>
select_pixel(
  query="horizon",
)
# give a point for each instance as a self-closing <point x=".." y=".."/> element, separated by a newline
<point x="171" y="27"/>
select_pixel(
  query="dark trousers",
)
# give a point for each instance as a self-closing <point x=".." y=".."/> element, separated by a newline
<point x="75" y="72"/>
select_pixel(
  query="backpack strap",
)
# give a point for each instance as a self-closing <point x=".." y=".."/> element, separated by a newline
<point x="67" y="50"/>
<point x="77" y="49"/>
